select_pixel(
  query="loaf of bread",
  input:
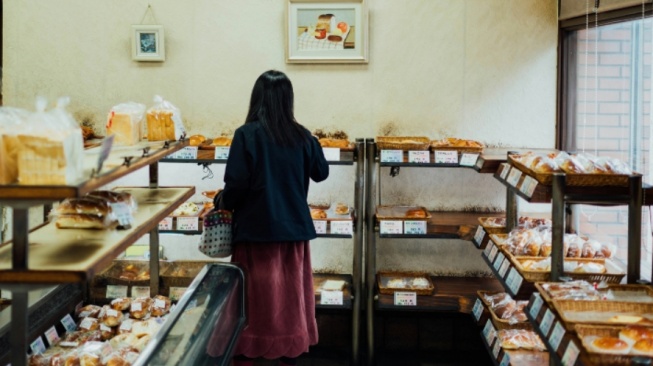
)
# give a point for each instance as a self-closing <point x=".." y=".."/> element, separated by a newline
<point x="50" y="159"/>
<point x="416" y="214"/>
<point x="330" y="142"/>
<point x="221" y="141"/>
<point x="124" y="128"/>
<point x="82" y="221"/>
<point x="196" y="140"/>
<point x="160" y="126"/>
<point x="88" y="205"/>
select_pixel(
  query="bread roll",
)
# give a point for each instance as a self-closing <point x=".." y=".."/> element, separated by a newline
<point x="121" y="303"/>
<point x="160" y="305"/>
<point x="84" y="205"/>
<point x="196" y="140"/>
<point x="110" y="317"/>
<point x="221" y="141"/>
<point x="643" y="347"/>
<point x="342" y="209"/>
<point x="107" y="332"/>
<point x="545" y="249"/>
<point x="610" y="344"/>
<point x="416" y="214"/>
<point x="140" y="307"/>
<point x="318" y="214"/>
<point x="634" y="333"/>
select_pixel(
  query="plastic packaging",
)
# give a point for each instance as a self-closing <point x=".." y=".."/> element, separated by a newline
<point x="164" y="121"/>
<point x="11" y="121"/>
<point x="125" y="123"/>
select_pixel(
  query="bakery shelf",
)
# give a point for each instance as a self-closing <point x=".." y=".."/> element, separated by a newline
<point x="115" y="166"/>
<point x="208" y="157"/>
<point x="72" y="255"/>
<point x="492" y="158"/>
<point x="525" y="288"/>
<point x="444" y="225"/>
<point x="347" y="295"/>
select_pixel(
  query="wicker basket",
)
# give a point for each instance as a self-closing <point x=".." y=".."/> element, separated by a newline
<point x="111" y="276"/>
<point x="382" y="278"/>
<point x="499" y="239"/>
<point x="181" y="274"/>
<point x="543" y="276"/>
<point x="499" y="323"/>
<point x="642" y="290"/>
<point x="491" y="229"/>
<point x="599" y="358"/>
<point x="563" y="306"/>
<point x="403" y="143"/>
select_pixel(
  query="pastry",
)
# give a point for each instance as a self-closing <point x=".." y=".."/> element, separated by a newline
<point x="643" y="347"/>
<point x="121" y="303"/>
<point x="89" y="311"/>
<point x="610" y="344"/>
<point x="110" y="317"/>
<point x="318" y="214"/>
<point x="416" y="214"/>
<point x="196" y="140"/>
<point x="160" y="305"/>
<point x="221" y="141"/>
<point x="634" y="333"/>
<point x="342" y="209"/>
<point x="140" y="307"/>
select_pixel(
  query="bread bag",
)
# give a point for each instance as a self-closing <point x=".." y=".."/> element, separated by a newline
<point x="124" y="122"/>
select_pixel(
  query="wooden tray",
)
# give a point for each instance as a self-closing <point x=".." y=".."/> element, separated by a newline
<point x="350" y="147"/>
<point x="403" y="143"/>
<point x="599" y="358"/>
<point x="332" y="215"/>
<point x="645" y="291"/>
<point x="382" y="278"/>
<point x="399" y="213"/>
<point x="563" y="306"/>
<point x="491" y="229"/>
<point x="498" y="322"/>
<point x="436" y="146"/>
<point x="543" y="276"/>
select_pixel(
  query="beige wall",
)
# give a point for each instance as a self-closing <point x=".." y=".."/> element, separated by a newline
<point x="480" y="69"/>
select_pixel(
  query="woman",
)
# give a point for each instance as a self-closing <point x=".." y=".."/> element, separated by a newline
<point x="271" y="159"/>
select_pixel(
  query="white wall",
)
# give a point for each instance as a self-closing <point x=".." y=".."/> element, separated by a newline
<point x="479" y="69"/>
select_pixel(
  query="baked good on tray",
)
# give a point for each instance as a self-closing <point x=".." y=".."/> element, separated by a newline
<point x="456" y="142"/>
<point x="331" y="142"/>
<point x="416" y="214"/>
<point x="341" y="209"/>
<point x="318" y="214"/>
<point x="196" y="140"/>
<point x="221" y="141"/>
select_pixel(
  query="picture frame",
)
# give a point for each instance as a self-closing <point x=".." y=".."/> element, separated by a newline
<point x="327" y="31"/>
<point x="148" y="43"/>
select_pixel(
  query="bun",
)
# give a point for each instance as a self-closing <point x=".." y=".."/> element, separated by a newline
<point x="342" y="209"/>
<point x="140" y="307"/>
<point x="221" y="141"/>
<point x="610" y="344"/>
<point x="196" y="140"/>
<point x="532" y="249"/>
<point x="329" y="142"/>
<point x="644" y="346"/>
<point x="121" y="303"/>
<point x="416" y="213"/>
<point x="633" y="333"/>
<point x="317" y="214"/>
<point x="110" y="317"/>
<point x="545" y="249"/>
<point x="160" y="306"/>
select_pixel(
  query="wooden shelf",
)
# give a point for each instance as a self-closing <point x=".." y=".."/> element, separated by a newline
<point x="207" y="157"/>
<point x="114" y="168"/>
<point x="446" y="225"/>
<point x="347" y="296"/>
<point x="73" y="255"/>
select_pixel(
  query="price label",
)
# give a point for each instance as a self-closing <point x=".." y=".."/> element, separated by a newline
<point x="38" y="346"/>
<point x="488" y="249"/>
<point x="513" y="177"/>
<point x="415" y="227"/>
<point x="114" y="291"/>
<point x="528" y="185"/>
<point x="391" y="227"/>
<point x="187" y="153"/>
<point x="496" y="349"/>
<point x="547" y="320"/>
<point x="514" y="280"/>
<point x="498" y="261"/>
<point x="405" y="298"/>
<point x="536" y="305"/>
<point x="504" y="268"/>
<point x="68" y="323"/>
<point x="469" y="159"/>
<point x="489" y="333"/>
<point x="506" y="360"/>
<point x="478" y="309"/>
<point x="177" y="292"/>
<point x="331" y="298"/>
<point x="126" y="325"/>
<point x="344" y="227"/>
<point x="123" y="213"/>
<point x="479" y="236"/>
<point x="105" y="149"/>
<point x="419" y="157"/>
<point x="493" y="253"/>
<point x="446" y="157"/>
<point x="140" y="291"/>
<point x="320" y="226"/>
<point x="505" y="168"/>
<point x="571" y="355"/>
<point x="479" y="163"/>
<point x="52" y="336"/>
<point x="166" y="224"/>
<point x="556" y="335"/>
<point x="221" y="153"/>
<point x="331" y="153"/>
<point x="392" y="156"/>
<point x="188" y="223"/>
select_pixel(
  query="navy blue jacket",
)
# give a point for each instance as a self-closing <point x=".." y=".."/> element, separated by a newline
<point x="266" y="186"/>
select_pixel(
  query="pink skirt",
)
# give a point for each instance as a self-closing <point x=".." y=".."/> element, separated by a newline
<point x="280" y="299"/>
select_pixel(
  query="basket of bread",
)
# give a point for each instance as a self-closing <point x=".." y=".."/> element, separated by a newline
<point x="456" y="144"/>
<point x="390" y="282"/>
<point x="505" y="312"/>
<point x="403" y="142"/>
<point x="614" y="345"/>
<point x="337" y="139"/>
<point x="402" y="213"/>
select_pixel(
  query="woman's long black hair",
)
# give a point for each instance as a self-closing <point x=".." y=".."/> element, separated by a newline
<point x="272" y="104"/>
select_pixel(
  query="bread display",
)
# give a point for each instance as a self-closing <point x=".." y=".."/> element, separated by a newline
<point x="389" y="282"/>
<point x="562" y="162"/>
<point x="609" y="345"/>
<point x="504" y="307"/>
<point x="520" y="339"/>
<point x="536" y="242"/>
<point x="457" y="144"/>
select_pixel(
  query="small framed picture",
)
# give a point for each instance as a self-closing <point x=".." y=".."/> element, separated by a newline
<point x="148" y="43"/>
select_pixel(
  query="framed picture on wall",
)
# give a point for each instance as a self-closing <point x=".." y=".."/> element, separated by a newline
<point x="148" y="43"/>
<point x="327" y="31"/>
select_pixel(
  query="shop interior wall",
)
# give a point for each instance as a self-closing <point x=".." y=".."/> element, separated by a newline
<point x="477" y="69"/>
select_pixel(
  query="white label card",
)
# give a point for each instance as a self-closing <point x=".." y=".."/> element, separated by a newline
<point x="488" y="249"/>
<point x="547" y="320"/>
<point x="68" y="323"/>
<point x="468" y="159"/>
<point x="140" y="291"/>
<point x="513" y="177"/>
<point x="479" y="236"/>
<point x="528" y="185"/>
<point x="493" y="253"/>
<point x="136" y="306"/>
<point x="159" y="304"/>
<point x="415" y="227"/>
<point x="479" y="163"/>
<point x="478" y="309"/>
<point x="506" y="360"/>
<point x="188" y="152"/>
<point x="405" y="298"/>
<point x="320" y="226"/>
<point x="536" y="305"/>
<point x="420" y="157"/>
<point x="38" y="346"/>
<point x="504" y="268"/>
<point x="188" y="223"/>
<point x="114" y="291"/>
<point x="496" y="349"/>
<point x="505" y="168"/>
<point x="112" y="312"/>
<point x="166" y="224"/>
<point x="52" y="336"/>
<point x="176" y="293"/>
<point x="489" y="333"/>
<point x="331" y="298"/>
<point x="498" y="261"/>
<point x="556" y="335"/>
<point x="517" y="279"/>
<point x="331" y="153"/>
<point x="392" y="156"/>
<point x="87" y="323"/>
<point x="446" y="157"/>
<point x="392" y="227"/>
<point x="123" y="213"/>
<point x="344" y="227"/>
<point x="126" y="325"/>
<point x="571" y="355"/>
<point x="221" y="153"/>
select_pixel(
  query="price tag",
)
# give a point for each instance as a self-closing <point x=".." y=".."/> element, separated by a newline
<point x="126" y="325"/>
<point x="446" y="157"/>
<point x="320" y="226"/>
<point x="556" y="335"/>
<point x="188" y="223"/>
<point x="488" y="249"/>
<point x="496" y="349"/>
<point x="38" y="346"/>
<point x="392" y="156"/>
<point x="114" y="291"/>
<point x="479" y="163"/>
<point x="112" y="312"/>
<point x="505" y="168"/>
<point x="87" y="323"/>
<point x="140" y="291"/>
<point x="571" y="355"/>
<point x="68" y="323"/>
<point x="176" y="293"/>
<point x="420" y="157"/>
<point x="506" y="360"/>
<point x="469" y="159"/>
<point x="405" y="298"/>
<point x="105" y="149"/>
<point x="536" y="305"/>
<point x="493" y="253"/>
<point x="498" y="261"/>
<point x="528" y="185"/>
<point x="344" y="227"/>
<point x="547" y="320"/>
<point x="415" y="227"/>
<point x="331" y="153"/>
<point x="480" y="235"/>
<point x="513" y="177"/>
<point x="517" y="279"/>
<point x="221" y="153"/>
<point x="478" y="309"/>
<point x="123" y="214"/>
<point x="331" y="298"/>
<point x="166" y="224"/>
<point x="489" y="333"/>
<point x="159" y="304"/>
<point x="52" y="336"/>
<point x="391" y="227"/>
<point x="187" y="153"/>
<point x="136" y="306"/>
<point x="504" y="268"/>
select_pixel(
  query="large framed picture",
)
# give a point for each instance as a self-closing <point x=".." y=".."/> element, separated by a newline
<point x="148" y="43"/>
<point x="327" y="31"/>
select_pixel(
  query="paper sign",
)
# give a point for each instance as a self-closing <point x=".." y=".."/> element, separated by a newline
<point x="140" y="291"/>
<point x="114" y="291"/>
<point x="392" y="227"/>
<point x="505" y="168"/>
<point x="493" y="253"/>
<point x="498" y="261"/>
<point x="479" y="163"/>
<point x="513" y="177"/>
<point x="176" y="293"/>
<point x="468" y="159"/>
<point x="504" y="268"/>
<point x="331" y="298"/>
<point x="345" y="227"/>
<point x="126" y="325"/>
<point x="547" y="320"/>
<point x="112" y="312"/>
<point x="331" y="153"/>
<point x="536" y="305"/>
<point x="571" y="355"/>
<point x="187" y="153"/>
<point x="188" y="223"/>
<point x="136" y="306"/>
<point x="38" y="346"/>
<point x="478" y="309"/>
<point x="528" y="186"/>
<point x="489" y="332"/>
<point x="415" y="227"/>
<point x="221" y="153"/>
<point x="320" y="226"/>
<point x="420" y="157"/>
<point x="123" y="213"/>
<point x="488" y="249"/>
<point x="446" y="157"/>
<point x="68" y="323"/>
<point x="105" y="149"/>
<point x="52" y="336"/>
<point x="496" y="349"/>
<point x="556" y="336"/>
<point x="159" y="304"/>
<point x="405" y="298"/>
<point x="392" y="156"/>
<point x="166" y="224"/>
<point x="516" y="282"/>
<point x="479" y="236"/>
<point x="506" y="360"/>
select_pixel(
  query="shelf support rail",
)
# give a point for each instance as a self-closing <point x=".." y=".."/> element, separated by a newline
<point x="359" y="201"/>
<point x="370" y="239"/>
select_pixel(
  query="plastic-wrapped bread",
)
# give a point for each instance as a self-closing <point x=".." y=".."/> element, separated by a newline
<point x="121" y="303"/>
<point x="544" y="165"/>
<point x="160" y="305"/>
<point x="90" y="310"/>
<point x="140" y="307"/>
<point x="89" y="323"/>
<point x="590" y="248"/>
<point x="575" y="246"/>
<point x="123" y="341"/>
<point x="164" y="121"/>
<point x="110" y="317"/>
<point x="124" y="123"/>
<point x="11" y="121"/>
